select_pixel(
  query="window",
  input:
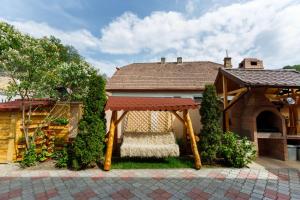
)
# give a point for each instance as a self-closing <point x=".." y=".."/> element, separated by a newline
<point x="198" y="99"/>
<point x="253" y="63"/>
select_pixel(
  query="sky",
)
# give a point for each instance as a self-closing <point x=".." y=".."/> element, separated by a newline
<point x="113" y="33"/>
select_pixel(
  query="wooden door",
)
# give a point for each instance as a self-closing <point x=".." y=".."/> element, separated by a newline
<point x="7" y="137"/>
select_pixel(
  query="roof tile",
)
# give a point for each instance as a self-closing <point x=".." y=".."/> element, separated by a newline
<point x="168" y="76"/>
<point x="279" y="78"/>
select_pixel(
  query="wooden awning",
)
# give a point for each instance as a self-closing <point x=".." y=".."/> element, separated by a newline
<point x="116" y="103"/>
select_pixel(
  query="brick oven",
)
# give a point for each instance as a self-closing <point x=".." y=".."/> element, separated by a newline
<point x="256" y="106"/>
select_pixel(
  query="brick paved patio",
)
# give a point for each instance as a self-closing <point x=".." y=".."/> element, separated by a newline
<point x="150" y="184"/>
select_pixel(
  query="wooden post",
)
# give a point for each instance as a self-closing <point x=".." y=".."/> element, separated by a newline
<point x="194" y="147"/>
<point x="184" y="131"/>
<point x="295" y="110"/>
<point x="115" y="145"/>
<point x="225" y="96"/>
<point x="110" y="142"/>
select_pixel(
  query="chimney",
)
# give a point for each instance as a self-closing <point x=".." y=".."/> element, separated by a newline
<point x="251" y="63"/>
<point x="227" y="62"/>
<point x="179" y="60"/>
<point x="162" y="60"/>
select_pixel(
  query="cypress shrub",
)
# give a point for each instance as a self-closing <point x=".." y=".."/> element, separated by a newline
<point x="88" y="146"/>
<point x="211" y="133"/>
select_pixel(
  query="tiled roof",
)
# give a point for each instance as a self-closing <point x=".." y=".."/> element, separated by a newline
<point x="149" y="103"/>
<point x="168" y="76"/>
<point x="16" y="104"/>
<point x="277" y="78"/>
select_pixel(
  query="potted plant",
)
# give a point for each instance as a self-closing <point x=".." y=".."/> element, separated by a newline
<point x="60" y="121"/>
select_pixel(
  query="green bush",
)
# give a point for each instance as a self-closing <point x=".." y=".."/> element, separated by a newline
<point x="30" y="156"/>
<point x="60" y="121"/>
<point x="237" y="152"/>
<point x="88" y="146"/>
<point x="61" y="158"/>
<point x="211" y="131"/>
<point x="44" y="154"/>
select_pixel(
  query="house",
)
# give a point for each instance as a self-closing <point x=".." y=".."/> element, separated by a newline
<point x="164" y="79"/>
<point x="261" y="104"/>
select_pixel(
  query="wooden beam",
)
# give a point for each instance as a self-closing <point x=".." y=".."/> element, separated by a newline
<point x="184" y="132"/>
<point x="121" y="117"/>
<point x="236" y="98"/>
<point x="225" y="96"/>
<point x="115" y="144"/>
<point x="178" y="117"/>
<point x="295" y="110"/>
<point x="237" y="91"/>
<point x="109" y="147"/>
<point x="193" y="140"/>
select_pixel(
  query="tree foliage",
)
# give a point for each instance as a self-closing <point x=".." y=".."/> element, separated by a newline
<point x="88" y="146"/>
<point x="296" y="67"/>
<point x="37" y="67"/>
<point x="211" y="131"/>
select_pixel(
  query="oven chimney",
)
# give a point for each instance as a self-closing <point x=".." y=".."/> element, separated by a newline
<point x="227" y="62"/>
<point x="179" y="60"/>
<point x="251" y="63"/>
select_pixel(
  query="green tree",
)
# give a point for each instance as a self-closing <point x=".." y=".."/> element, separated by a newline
<point x="88" y="146"/>
<point x="296" y="67"/>
<point x="37" y="67"/>
<point x="211" y="131"/>
<point x="25" y="60"/>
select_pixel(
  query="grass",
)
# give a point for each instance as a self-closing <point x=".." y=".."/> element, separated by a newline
<point x="152" y="163"/>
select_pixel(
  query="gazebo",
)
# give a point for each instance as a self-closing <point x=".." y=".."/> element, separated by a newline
<point x="128" y="104"/>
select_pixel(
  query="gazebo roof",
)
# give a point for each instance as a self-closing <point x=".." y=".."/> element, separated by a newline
<point x="117" y="103"/>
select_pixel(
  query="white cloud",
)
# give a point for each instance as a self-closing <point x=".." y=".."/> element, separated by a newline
<point x="190" y="6"/>
<point x="106" y="67"/>
<point x="268" y="29"/>
<point x="81" y="39"/>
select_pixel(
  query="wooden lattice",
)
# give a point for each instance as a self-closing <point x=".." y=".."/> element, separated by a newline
<point x="148" y="121"/>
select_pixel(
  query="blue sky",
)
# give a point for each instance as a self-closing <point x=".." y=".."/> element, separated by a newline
<point x="117" y="32"/>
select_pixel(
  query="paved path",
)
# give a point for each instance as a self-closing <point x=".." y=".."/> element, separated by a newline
<point x="220" y="183"/>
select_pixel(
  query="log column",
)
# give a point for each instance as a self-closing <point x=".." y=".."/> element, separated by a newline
<point x="109" y="147"/>
<point x="194" y="147"/>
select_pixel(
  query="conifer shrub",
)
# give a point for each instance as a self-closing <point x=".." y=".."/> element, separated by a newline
<point x="88" y="146"/>
<point x="211" y="132"/>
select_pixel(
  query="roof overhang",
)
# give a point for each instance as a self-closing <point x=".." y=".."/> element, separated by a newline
<point x="117" y="103"/>
<point x="156" y="90"/>
<point x="17" y="104"/>
<point x="242" y="83"/>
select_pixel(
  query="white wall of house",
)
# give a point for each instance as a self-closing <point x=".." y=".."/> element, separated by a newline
<point x="177" y="125"/>
<point x="158" y="94"/>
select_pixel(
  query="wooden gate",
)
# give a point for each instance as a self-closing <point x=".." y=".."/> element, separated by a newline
<point x="7" y="136"/>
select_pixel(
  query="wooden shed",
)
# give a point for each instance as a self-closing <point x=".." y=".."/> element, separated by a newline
<point x="12" y="144"/>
